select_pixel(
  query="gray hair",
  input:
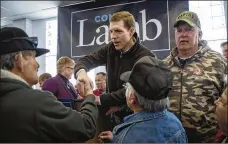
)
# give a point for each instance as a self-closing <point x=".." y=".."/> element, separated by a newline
<point x="7" y="61"/>
<point x="150" y="105"/>
<point x="198" y="29"/>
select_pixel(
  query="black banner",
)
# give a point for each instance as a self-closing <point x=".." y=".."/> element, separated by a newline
<point x="83" y="28"/>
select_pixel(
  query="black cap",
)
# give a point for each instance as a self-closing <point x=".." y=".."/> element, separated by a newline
<point x="14" y="39"/>
<point x="150" y="77"/>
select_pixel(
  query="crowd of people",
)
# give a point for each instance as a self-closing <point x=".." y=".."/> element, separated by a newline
<point x="181" y="99"/>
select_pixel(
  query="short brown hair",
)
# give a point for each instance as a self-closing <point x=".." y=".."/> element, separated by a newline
<point x="128" y="18"/>
<point x="44" y="76"/>
<point x="62" y="62"/>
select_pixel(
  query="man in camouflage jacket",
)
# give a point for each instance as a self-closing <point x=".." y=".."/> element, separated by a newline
<point x="198" y="79"/>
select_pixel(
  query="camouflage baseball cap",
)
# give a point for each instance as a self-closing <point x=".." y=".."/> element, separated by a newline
<point x="189" y="17"/>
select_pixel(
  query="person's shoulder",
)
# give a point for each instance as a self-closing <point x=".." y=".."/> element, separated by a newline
<point x="37" y="93"/>
<point x="167" y="59"/>
<point x="214" y="53"/>
<point x="144" y="51"/>
<point x="172" y="116"/>
<point x="143" y="48"/>
<point x="108" y="46"/>
<point x="35" y="96"/>
<point x="214" y="56"/>
<point x="51" y="81"/>
<point x="55" y="78"/>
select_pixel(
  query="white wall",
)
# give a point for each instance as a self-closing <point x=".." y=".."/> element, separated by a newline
<point x="21" y="23"/>
<point x="39" y="30"/>
<point x="100" y="69"/>
<point x="28" y="24"/>
<point x="225" y="9"/>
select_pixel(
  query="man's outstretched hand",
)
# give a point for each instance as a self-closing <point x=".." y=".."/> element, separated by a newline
<point x="84" y="88"/>
<point x="82" y="77"/>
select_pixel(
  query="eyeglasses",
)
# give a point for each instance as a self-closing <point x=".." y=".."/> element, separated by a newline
<point x="32" y="40"/>
<point x="70" y="68"/>
<point x="221" y="101"/>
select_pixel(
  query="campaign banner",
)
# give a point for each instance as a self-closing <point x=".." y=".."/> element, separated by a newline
<point x="85" y="28"/>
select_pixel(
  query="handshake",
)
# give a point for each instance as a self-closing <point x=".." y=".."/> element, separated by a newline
<point x="84" y="84"/>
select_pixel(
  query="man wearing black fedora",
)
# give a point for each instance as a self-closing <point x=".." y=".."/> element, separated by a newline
<point x="29" y="115"/>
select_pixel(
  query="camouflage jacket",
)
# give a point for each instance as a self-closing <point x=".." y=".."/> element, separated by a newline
<point x="196" y="86"/>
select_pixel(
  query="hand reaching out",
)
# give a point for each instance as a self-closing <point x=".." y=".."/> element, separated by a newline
<point x="113" y="109"/>
<point x="84" y="88"/>
<point x="82" y="76"/>
<point x="84" y="84"/>
<point x="106" y="135"/>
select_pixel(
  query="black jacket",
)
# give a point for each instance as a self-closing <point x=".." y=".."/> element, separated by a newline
<point x="116" y="64"/>
<point x="28" y="115"/>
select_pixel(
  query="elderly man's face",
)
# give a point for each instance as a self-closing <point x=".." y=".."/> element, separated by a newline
<point x="221" y="112"/>
<point x="225" y="51"/>
<point x="186" y="37"/>
<point x="28" y="67"/>
<point x="68" y="70"/>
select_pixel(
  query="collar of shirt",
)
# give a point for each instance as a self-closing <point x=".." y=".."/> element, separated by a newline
<point x="64" y="78"/>
<point x="134" y="40"/>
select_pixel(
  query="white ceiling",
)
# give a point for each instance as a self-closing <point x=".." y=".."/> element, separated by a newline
<point x="33" y="10"/>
